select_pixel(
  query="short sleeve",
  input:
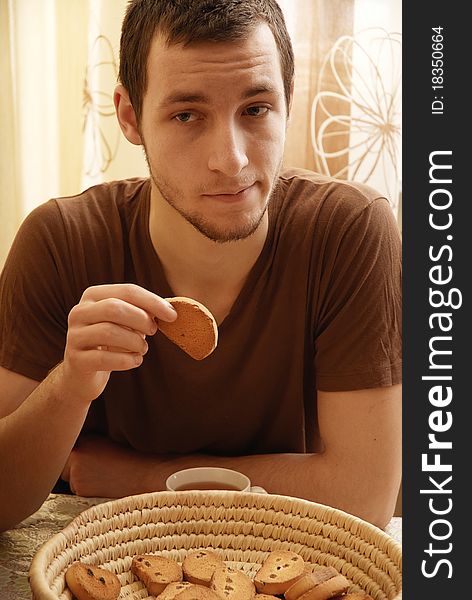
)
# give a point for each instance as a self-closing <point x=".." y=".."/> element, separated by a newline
<point x="33" y="310"/>
<point x="357" y="333"/>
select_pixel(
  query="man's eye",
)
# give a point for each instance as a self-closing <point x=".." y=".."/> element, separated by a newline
<point x="184" y="117"/>
<point x="257" y="111"/>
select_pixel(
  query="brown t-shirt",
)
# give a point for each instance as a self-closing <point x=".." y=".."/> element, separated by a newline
<point x="320" y="309"/>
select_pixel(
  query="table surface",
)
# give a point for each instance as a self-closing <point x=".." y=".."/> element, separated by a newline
<point x="18" y="545"/>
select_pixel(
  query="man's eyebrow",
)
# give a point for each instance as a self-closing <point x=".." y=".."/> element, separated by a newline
<point x="262" y="88"/>
<point x="184" y="98"/>
<point x="198" y="98"/>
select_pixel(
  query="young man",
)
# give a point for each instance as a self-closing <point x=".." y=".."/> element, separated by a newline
<point x="301" y="272"/>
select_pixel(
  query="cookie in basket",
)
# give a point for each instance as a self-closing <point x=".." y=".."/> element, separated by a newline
<point x="173" y="589"/>
<point x="88" y="582"/>
<point x="156" y="572"/>
<point x="309" y="581"/>
<point x="197" y="592"/>
<point x="322" y="584"/>
<point x="354" y="596"/>
<point x="280" y="570"/>
<point x="198" y="566"/>
<point x="232" y="584"/>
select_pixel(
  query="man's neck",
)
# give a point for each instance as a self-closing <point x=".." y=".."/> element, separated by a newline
<point x="195" y="266"/>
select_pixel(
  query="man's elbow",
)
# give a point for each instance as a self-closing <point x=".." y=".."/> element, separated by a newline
<point x="12" y="515"/>
<point x="378" y="512"/>
<point x="6" y="523"/>
<point x="379" y="518"/>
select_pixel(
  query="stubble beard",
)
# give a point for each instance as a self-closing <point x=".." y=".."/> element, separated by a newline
<point x="205" y="226"/>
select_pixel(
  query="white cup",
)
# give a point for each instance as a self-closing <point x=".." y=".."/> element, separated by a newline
<point x="211" y="478"/>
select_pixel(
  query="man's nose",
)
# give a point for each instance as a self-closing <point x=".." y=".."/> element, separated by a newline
<point x="228" y="152"/>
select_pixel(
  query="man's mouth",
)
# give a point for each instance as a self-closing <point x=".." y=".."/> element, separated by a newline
<point x="229" y="195"/>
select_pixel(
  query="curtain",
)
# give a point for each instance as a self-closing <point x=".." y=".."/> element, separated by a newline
<point x="314" y="25"/>
<point x="346" y="118"/>
<point x="10" y="208"/>
<point x="55" y="103"/>
<point x="44" y="48"/>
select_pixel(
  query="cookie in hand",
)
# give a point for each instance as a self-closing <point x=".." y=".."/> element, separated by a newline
<point x="194" y="331"/>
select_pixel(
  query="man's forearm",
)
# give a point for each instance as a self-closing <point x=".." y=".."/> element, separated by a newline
<point x="35" y="441"/>
<point x="102" y="468"/>
<point x="314" y="477"/>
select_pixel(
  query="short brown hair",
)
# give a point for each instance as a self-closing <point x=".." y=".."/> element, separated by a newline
<point x="187" y="21"/>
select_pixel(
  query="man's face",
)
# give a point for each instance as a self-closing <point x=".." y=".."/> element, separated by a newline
<point x="213" y="127"/>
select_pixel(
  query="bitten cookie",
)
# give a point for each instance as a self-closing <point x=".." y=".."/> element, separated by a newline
<point x="232" y="585"/>
<point x="279" y="571"/>
<point x="156" y="572"/>
<point x="195" y="330"/>
<point x="88" y="582"/>
<point x="198" y="566"/>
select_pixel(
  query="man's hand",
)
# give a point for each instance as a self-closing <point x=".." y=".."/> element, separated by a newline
<point x="107" y="332"/>
<point x="99" y="467"/>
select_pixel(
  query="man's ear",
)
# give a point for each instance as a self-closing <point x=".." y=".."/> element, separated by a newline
<point x="290" y="103"/>
<point x="126" y="115"/>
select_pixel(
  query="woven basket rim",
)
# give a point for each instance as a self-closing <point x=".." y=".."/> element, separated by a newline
<point x="355" y="526"/>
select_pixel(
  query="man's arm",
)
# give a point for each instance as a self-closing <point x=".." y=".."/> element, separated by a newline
<point x="359" y="470"/>
<point x="39" y="424"/>
<point x="37" y="430"/>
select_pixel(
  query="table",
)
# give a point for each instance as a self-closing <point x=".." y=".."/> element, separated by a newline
<point x="18" y="545"/>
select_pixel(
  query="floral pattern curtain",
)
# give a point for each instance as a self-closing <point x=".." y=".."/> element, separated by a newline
<point x="346" y="120"/>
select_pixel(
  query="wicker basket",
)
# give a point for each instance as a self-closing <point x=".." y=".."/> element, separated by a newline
<point x="242" y="527"/>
